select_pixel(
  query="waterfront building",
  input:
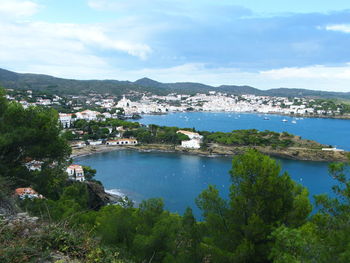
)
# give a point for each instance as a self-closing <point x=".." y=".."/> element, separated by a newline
<point x="194" y="142"/>
<point x="124" y="141"/>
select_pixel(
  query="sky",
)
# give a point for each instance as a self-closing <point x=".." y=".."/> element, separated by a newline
<point x="264" y="44"/>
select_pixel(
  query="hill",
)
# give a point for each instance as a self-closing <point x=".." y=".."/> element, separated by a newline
<point x="50" y="84"/>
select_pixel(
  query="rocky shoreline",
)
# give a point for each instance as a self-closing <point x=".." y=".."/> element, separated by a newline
<point x="292" y="153"/>
<point x="340" y="117"/>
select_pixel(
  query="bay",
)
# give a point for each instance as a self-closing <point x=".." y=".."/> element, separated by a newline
<point x="180" y="178"/>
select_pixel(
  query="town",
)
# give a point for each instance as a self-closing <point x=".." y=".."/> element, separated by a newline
<point x="133" y="104"/>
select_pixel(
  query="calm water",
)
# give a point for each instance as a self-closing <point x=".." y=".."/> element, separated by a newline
<point x="179" y="179"/>
<point x="327" y="131"/>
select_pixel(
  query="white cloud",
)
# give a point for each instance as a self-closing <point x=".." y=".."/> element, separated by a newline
<point x="345" y="28"/>
<point x="314" y="77"/>
<point x="92" y="35"/>
<point x="317" y="72"/>
<point x="18" y="9"/>
<point x="34" y="45"/>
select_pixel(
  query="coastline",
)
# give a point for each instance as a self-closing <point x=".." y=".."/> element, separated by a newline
<point x="338" y="117"/>
<point x="292" y="153"/>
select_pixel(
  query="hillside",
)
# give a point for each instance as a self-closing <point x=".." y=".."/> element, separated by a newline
<point x="50" y="84"/>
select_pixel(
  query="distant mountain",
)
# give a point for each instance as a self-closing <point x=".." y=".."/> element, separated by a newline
<point x="146" y="82"/>
<point x="307" y="93"/>
<point x="49" y="84"/>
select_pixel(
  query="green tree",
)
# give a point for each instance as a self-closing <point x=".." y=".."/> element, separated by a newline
<point x="261" y="199"/>
<point x="89" y="173"/>
<point x="28" y="134"/>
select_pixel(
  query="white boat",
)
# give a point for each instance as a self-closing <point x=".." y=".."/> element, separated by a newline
<point x="266" y="118"/>
<point x="284" y="120"/>
<point x="294" y="122"/>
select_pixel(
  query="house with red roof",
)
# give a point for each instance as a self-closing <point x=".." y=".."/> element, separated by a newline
<point x="76" y="172"/>
<point x="27" y="192"/>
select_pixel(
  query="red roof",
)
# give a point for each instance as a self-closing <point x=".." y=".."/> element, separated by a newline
<point x="25" y="191"/>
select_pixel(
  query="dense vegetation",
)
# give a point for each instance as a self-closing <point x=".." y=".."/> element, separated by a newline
<point x="250" y="137"/>
<point x="32" y="134"/>
<point x="168" y="135"/>
<point x="157" y="134"/>
<point x="266" y="217"/>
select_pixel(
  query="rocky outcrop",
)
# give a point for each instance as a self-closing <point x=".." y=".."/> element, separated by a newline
<point x="310" y="151"/>
<point x="293" y="153"/>
<point x="7" y="206"/>
<point x="98" y="197"/>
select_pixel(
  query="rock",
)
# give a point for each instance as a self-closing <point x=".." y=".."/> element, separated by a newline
<point x="97" y="195"/>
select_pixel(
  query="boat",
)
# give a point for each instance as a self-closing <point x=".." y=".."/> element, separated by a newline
<point x="284" y="120"/>
<point x="266" y="118"/>
<point x="294" y="122"/>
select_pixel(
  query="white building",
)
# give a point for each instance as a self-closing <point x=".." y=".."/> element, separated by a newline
<point x="122" y="142"/>
<point x="124" y="103"/>
<point x="76" y="172"/>
<point x="78" y="144"/>
<point x="65" y="119"/>
<point x="93" y="143"/>
<point x="194" y="142"/>
<point x="87" y="115"/>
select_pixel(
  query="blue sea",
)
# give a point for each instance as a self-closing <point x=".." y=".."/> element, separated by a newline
<point x="179" y="179"/>
<point x="333" y="132"/>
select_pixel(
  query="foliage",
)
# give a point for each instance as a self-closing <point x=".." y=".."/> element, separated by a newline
<point x="157" y="134"/>
<point x="89" y="173"/>
<point x="250" y="137"/>
<point x="261" y="199"/>
<point x="37" y="242"/>
<point x="266" y="217"/>
<point x="27" y="135"/>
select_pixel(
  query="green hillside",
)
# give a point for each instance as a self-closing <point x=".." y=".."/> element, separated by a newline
<point x="55" y="85"/>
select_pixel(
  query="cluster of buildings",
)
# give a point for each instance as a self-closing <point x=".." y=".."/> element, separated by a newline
<point x="67" y="119"/>
<point x="27" y="99"/>
<point x="146" y="103"/>
<point x="216" y="102"/>
<point x="75" y="172"/>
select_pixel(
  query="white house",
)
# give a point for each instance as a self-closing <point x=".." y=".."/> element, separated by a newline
<point x="93" y="143"/>
<point x="76" y="172"/>
<point x="87" y="115"/>
<point x="122" y="142"/>
<point x="78" y="144"/>
<point x="194" y="142"/>
<point x="65" y="119"/>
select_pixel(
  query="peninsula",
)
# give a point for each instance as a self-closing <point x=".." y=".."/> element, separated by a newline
<point x="134" y="136"/>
